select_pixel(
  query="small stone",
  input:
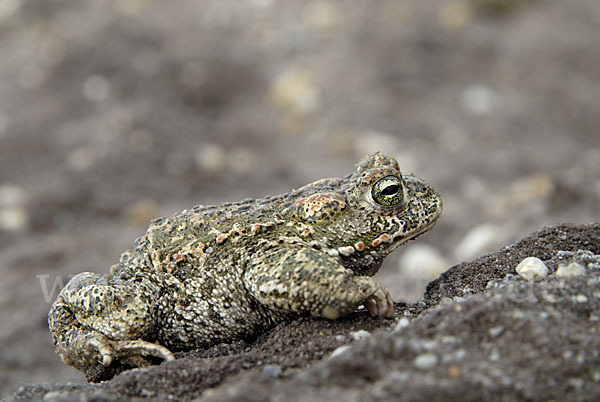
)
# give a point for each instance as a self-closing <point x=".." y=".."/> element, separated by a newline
<point x="210" y="158"/>
<point x="532" y="269"/>
<point x="422" y="261"/>
<point x="581" y="298"/>
<point x="496" y="331"/>
<point x="454" y="372"/>
<point x="12" y="195"/>
<point x="455" y="15"/>
<point x="571" y="270"/>
<point x="272" y="370"/>
<point x="14" y="219"/>
<point x="81" y="159"/>
<point x="322" y="16"/>
<point x="95" y="88"/>
<point x="339" y="351"/>
<point x="402" y="323"/>
<point x="295" y="89"/>
<point x="577" y="383"/>
<point x="478" y="240"/>
<point x="494" y="356"/>
<point x="479" y="99"/>
<point x="426" y="361"/>
<point x="8" y="8"/>
<point x="358" y="335"/>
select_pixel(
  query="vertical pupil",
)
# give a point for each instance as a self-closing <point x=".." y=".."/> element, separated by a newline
<point x="390" y="190"/>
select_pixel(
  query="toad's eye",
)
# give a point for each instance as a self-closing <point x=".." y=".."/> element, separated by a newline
<point x="388" y="191"/>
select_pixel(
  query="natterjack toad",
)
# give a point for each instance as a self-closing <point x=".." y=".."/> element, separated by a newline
<point x="221" y="273"/>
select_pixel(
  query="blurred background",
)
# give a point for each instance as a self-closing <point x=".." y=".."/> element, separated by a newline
<point x="113" y="113"/>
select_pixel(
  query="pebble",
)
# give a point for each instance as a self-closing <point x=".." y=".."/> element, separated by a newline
<point x="296" y="90"/>
<point x="9" y="8"/>
<point x="81" y="159"/>
<point x="571" y="270"/>
<point x="455" y="15"/>
<point x="402" y="323"/>
<point x="95" y="88"/>
<point x="454" y="372"/>
<point x="532" y="269"/>
<point x="358" y="335"/>
<point x="272" y="370"/>
<point x="339" y="351"/>
<point x="12" y="194"/>
<point x="496" y="331"/>
<point x="210" y="158"/>
<point x="479" y="99"/>
<point x="323" y="16"/>
<point x="422" y="261"/>
<point x="478" y="240"/>
<point x="14" y="217"/>
<point x="426" y="361"/>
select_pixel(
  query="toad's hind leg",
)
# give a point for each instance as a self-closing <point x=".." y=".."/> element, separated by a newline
<point x="93" y="322"/>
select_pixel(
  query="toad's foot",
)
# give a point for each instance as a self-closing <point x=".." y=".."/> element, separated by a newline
<point x="130" y="352"/>
<point x="380" y="304"/>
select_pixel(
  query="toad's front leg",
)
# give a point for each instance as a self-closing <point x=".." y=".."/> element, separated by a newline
<point x="298" y="279"/>
<point x="94" y="322"/>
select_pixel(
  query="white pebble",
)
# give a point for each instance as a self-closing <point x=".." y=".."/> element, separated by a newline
<point x="426" y="361"/>
<point x="532" y="269"/>
<point x="14" y="219"/>
<point x="12" y="195"/>
<point x="339" y="351"/>
<point x="480" y="239"/>
<point x="496" y="331"/>
<point x="571" y="270"/>
<point x="296" y="89"/>
<point x="210" y="158"/>
<point x="362" y="334"/>
<point x="95" y="88"/>
<point x="9" y="8"/>
<point x="402" y="323"/>
<point x="272" y="370"/>
<point x="479" y="99"/>
<point x="581" y="298"/>
<point x="422" y="261"/>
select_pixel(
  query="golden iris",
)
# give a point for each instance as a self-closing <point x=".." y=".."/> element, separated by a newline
<point x="388" y="191"/>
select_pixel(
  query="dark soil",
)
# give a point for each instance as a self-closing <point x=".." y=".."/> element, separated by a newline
<point x="506" y="339"/>
<point x="112" y="115"/>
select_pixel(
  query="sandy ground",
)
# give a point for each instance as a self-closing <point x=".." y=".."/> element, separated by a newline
<point x="111" y="115"/>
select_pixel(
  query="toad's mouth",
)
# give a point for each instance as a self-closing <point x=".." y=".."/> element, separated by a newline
<point x="402" y="238"/>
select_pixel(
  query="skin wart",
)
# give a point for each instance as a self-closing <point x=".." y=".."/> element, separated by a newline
<point x="227" y="272"/>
